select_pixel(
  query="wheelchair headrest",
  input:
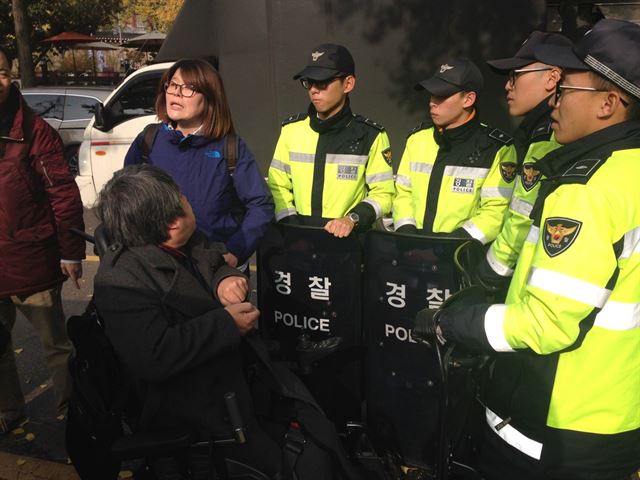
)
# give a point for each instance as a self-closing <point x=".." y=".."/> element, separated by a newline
<point x="102" y="240"/>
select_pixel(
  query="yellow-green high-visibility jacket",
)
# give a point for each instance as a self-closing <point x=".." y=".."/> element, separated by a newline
<point x="571" y="390"/>
<point x="326" y="169"/>
<point x="459" y="179"/>
<point x="533" y="140"/>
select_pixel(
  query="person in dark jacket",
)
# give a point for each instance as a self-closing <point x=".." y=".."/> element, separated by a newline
<point x="175" y="312"/>
<point x="39" y="203"/>
<point x="189" y="145"/>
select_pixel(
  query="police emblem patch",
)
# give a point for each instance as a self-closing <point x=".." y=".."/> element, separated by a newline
<point x="530" y="176"/>
<point x="386" y="153"/>
<point x="316" y="55"/>
<point x="559" y="234"/>
<point x="463" y="185"/>
<point x="508" y="171"/>
<point x="347" y="172"/>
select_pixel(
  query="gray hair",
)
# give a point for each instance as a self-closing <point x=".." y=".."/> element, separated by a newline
<point x="138" y="204"/>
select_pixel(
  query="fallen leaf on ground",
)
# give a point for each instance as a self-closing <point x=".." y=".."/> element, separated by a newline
<point x="18" y="350"/>
<point x="20" y="462"/>
<point x="17" y="431"/>
<point x="60" y="417"/>
<point x="30" y="437"/>
<point x="43" y="385"/>
<point x="125" y="474"/>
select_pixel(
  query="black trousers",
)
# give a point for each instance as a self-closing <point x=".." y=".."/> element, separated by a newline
<point x="500" y="461"/>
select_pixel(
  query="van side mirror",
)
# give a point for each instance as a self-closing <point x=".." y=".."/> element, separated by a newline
<point x="103" y="119"/>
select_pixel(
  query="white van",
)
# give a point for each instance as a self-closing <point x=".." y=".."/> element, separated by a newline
<point x="115" y="125"/>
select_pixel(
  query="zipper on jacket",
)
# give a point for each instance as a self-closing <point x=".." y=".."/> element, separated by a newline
<point x="44" y="170"/>
<point x="12" y="139"/>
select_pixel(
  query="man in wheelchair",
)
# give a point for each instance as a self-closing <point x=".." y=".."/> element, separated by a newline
<point x="175" y="314"/>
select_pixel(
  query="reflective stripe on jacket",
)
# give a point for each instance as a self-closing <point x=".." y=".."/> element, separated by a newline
<point x="453" y="180"/>
<point x="572" y="313"/>
<point x="326" y="169"/>
<point x="533" y="140"/>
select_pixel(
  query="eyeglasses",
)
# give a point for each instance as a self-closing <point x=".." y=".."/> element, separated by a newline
<point x="513" y="75"/>
<point x="185" y="90"/>
<point x="307" y="83"/>
<point x="560" y="88"/>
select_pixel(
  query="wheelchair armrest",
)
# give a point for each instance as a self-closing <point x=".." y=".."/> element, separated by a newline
<point x="152" y="444"/>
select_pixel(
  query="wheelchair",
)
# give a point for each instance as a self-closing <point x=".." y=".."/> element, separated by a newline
<point x="101" y="432"/>
<point x="387" y="395"/>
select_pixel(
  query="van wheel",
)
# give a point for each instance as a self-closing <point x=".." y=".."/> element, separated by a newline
<point x="71" y="156"/>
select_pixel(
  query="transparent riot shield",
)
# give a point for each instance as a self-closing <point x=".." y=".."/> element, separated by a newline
<point x="309" y="295"/>
<point x="404" y="383"/>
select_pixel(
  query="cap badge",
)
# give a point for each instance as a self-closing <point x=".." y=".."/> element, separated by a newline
<point x="316" y="55"/>
<point x="445" y="67"/>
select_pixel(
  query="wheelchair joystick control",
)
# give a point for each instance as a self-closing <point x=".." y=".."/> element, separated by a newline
<point x="234" y="416"/>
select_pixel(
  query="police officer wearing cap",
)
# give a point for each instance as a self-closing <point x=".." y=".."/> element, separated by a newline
<point x="331" y="168"/>
<point x="564" y="398"/>
<point x="530" y="84"/>
<point x="449" y="177"/>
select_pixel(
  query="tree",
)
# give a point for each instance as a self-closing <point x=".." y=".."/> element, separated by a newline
<point x="45" y="18"/>
<point x="21" y="25"/>
<point x="159" y="14"/>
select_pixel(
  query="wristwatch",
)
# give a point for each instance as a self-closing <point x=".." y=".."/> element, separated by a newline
<point x="354" y="217"/>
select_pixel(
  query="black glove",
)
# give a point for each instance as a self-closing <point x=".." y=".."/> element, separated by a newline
<point x="470" y="259"/>
<point x="425" y="327"/>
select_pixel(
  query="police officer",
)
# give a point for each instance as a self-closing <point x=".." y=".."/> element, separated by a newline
<point x="331" y="168"/>
<point x="449" y="177"/>
<point x="530" y="84"/>
<point x="566" y="404"/>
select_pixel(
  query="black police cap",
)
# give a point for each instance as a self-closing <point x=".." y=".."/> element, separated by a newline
<point x="527" y="55"/>
<point x="327" y="61"/>
<point x="457" y="75"/>
<point x="611" y="48"/>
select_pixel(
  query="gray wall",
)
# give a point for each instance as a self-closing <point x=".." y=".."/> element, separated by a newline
<point x="261" y="44"/>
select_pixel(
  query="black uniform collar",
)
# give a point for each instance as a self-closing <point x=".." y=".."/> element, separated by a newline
<point x="334" y="123"/>
<point x="617" y="137"/>
<point x="536" y="118"/>
<point x="461" y="134"/>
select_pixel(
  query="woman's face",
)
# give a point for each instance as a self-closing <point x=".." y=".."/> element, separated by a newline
<point x="184" y="110"/>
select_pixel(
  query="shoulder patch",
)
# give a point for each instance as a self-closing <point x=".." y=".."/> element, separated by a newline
<point x="582" y="168"/>
<point x="368" y="121"/>
<point x="542" y="130"/>
<point x="508" y="171"/>
<point x="559" y="234"/>
<point x="500" y="136"/>
<point x="421" y="126"/>
<point x="530" y="175"/>
<point x="294" y="118"/>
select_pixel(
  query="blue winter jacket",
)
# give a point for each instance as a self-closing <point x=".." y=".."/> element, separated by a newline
<point x="233" y="210"/>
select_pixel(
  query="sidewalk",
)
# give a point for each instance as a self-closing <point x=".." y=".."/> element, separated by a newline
<point x="18" y="467"/>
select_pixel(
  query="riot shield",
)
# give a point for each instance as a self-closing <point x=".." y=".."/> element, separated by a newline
<point x="404" y="384"/>
<point x="309" y="291"/>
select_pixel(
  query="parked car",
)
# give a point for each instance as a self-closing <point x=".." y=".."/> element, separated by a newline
<point x="68" y="110"/>
<point x="118" y="120"/>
